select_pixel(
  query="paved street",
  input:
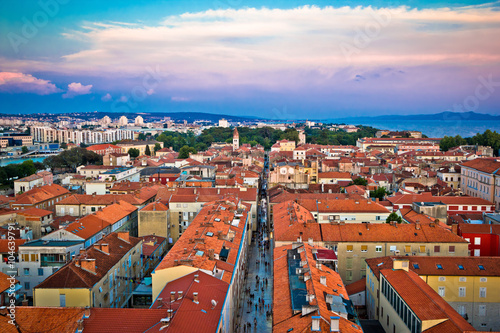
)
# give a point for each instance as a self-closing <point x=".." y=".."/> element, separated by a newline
<point x="250" y="311"/>
<point x="255" y="310"/>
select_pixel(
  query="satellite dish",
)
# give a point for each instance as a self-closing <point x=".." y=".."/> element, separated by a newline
<point x="214" y="304"/>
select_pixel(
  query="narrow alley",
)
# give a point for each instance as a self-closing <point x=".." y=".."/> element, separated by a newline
<point x="255" y="312"/>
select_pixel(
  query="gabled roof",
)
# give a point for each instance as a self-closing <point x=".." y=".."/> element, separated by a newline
<point x="188" y="315"/>
<point x="284" y="316"/>
<point x="39" y="194"/>
<point x="72" y="275"/>
<point x="423" y="300"/>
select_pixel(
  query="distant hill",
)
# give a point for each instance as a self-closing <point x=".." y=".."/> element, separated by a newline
<point x="442" y="116"/>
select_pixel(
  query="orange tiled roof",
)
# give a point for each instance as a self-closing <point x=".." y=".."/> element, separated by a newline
<point x="214" y="228"/>
<point x="448" y="265"/>
<point x="72" y="275"/>
<point x="482" y="164"/>
<point x="40" y="194"/>
<point x="284" y="317"/>
<point x="422" y="299"/>
<point x="208" y="287"/>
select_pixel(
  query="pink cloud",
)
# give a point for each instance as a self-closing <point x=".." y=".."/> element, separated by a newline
<point x="26" y="83"/>
<point x="76" y="89"/>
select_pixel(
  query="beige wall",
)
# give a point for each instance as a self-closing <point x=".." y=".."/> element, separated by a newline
<point x="75" y="297"/>
<point x="154" y="223"/>
<point x="351" y="265"/>
<point x="160" y="278"/>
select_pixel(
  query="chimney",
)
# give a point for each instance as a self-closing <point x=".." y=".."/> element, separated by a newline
<point x="170" y="313"/>
<point x="196" y="278"/>
<point x="160" y="302"/>
<point x="195" y="297"/>
<point x="86" y="314"/>
<point x="104" y="247"/>
<point x="124" y="235"/>
<point x="211" y="254"/>
<point x="315" y="326"/>
<point x="185" y="250"/>
<point x="176" y="262"/>
<point x="417" y="225"/>
<point x="82" y="251"/>
<point x="79" y="328"/>
<point x="334" y="324"/>
<point x="454" y="228"/>
<point x="179" y="294"/>
<point x="172" y="296"/>
<point x="24" y="301"/>
<point x="322" y="280"/>
<point x="88" y="265"/>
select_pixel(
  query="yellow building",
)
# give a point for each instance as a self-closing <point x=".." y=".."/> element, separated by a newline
<point x="286" y="145"/>
<point x="104" y="275"/>
<point x="408" y="304"/>
<point x="470" y="285"/>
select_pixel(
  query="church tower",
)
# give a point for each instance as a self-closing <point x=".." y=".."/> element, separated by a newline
<point x="236" y="139"/>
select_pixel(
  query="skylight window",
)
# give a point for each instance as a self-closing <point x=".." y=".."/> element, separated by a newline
<point x="210" y="234"/>
<point x="461" y="267"/>
<point x="416" y="266"/>
<point x="481" y="267"/>
<point x="380" y="264"/>
<point x="439" y="266"/>
<point x="199" y="253"/>
<point x="217" y="220"/>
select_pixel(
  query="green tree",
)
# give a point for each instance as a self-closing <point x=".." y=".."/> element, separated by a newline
<point x="378" y="193"/>
<point x="157" y="147"/>
<point x="141" y="137"/>
<point x="394" y="217"/>
<point x="24" y="149"/>
<point x="133" y="152"/>
<point x="64" y="145"/>
<point x="147" y="151"/>
<point x="185" y="150"/>
<point x="359" y="181"/>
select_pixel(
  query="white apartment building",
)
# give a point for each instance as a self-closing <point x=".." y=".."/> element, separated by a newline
<point x="49" y="134"/>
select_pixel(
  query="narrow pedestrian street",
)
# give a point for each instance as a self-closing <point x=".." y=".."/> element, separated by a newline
<point x="255" y="312"/>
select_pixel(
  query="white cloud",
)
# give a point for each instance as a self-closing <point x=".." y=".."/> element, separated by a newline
<point x="106" y="98"/>
<point x="76" y="89"/>
<point x="150" y="92"/>
<point x="26" y="83"/>
<point x="276" y="49"/>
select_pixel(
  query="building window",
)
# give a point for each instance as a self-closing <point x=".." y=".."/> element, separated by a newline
<point x="349" y="248"/>
<point x="27" y="285"/>
<point x="364" y="248"/>
<point x="378" y="248"/>
<point x="422" y="248"/>
<point x="392" y="248"/>
<point x="437" y="248"/>
<point x="477" y="240"/>
<point x="482" y="292"/>
<point x="387" y="320"/>
<point x="462" y="279"/>
<point x="451" y="249"/>
<point x="461" y="292"/>
<point x="441" y="291"/>
<point x="40" y="271"/>
<point x="348" y="275"/>
<point x="482" y="311"/>
<point x="348" y="263"/>
<point x="26" y="271"/>
<point x="407" y="248"/>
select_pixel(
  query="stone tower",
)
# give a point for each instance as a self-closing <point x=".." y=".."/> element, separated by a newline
<point x="236" y="139"/>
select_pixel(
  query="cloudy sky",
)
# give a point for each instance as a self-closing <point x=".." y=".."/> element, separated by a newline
<point x="275" y="59"/>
